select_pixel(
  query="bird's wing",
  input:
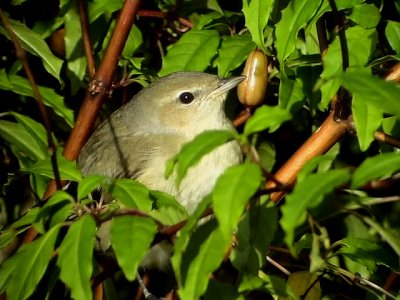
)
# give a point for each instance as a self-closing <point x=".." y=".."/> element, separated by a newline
<point x="124" y="155"/>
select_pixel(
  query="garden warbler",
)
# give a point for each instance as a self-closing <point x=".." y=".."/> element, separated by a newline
<point x="138" y="139"/>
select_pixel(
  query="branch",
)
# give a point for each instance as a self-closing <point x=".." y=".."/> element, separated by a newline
<point x="99" y="86"/>
<point x="87" y="44"/>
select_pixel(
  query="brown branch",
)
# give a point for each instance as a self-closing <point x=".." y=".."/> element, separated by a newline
<point x="318" y="143"/>
<point x="164" y="15"/>
<point x="96" y="93"/>
<point x="87" y="44"/>
<point x="242" y="117"/>
<point x="394" y="74"/>
<point x="322" y="36"/>
<point x="385" y="138"/>
<point x="21" y="54"/>
<point x="100" y="85"/>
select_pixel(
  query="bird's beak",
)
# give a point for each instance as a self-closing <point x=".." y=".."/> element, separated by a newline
<point x="227" y="84"/>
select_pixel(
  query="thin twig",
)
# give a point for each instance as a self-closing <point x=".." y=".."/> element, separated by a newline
<point x="163" y="15"/>
<point x="385" y="138"/>
<point x="87" y="44"/>
<point x="21" y="54"/>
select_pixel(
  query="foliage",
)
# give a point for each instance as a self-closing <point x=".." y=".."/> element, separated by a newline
<point x="339" y="222"/>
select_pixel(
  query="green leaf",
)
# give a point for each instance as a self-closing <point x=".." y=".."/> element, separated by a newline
<point x="366" y="15"/>
<point x="22" y="86"/>
<point x="307" y="194"/>
<point x="36" y="129"/>
<point x="290" y="93"/>
<point x="204" y="253"/>
<point x="376" y="167"/>
<point x="193" y="151"/>
<point x="232" y="191"/>
<point x="389" y="235"/>
<point x="131" y="237"/>
<point x="193" y="52"/>
<point x="27" y="219"/>
<point x="314" y="164"/>
<point x="67" y="168"/>
<point x="367" y="119"/>
<point x="392" y="32"/>
<point x="248" y="255"/>
<point x="167" y="209"/>
<point x="89" y="183"/>
<point x="222" y="291"/>
<point x="379" y="93"/>
<point x="294" y="17"/>
<point x="134" y="41"/>
<point x="34" y="43"/>
<point x="266" y="117"/>
<point x="74" y="52"/>
<point x="233" y="52"/>
<point x="6" y="237"/>
<point x="131" y="193"/>
<point x="21" y="140"/>
<point x="55" y="211"/>
<point x="75" y="257"/>
<point x="360" y="43"/>
<point x="22" y="272"/>
<point x="256" y="14"/>
<point x="185" y="234"/>
<point x="367" y="253"/>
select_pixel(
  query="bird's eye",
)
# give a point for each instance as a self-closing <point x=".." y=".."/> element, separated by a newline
<point x="186" y="97"/>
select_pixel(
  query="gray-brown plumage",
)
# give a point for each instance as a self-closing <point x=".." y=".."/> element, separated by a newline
<point x="138" y="139"/>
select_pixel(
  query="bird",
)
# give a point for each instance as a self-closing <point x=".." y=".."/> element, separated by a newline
<point x="138" y="138"/>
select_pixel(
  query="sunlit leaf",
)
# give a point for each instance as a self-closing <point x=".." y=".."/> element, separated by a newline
<point x="379" y="93"/>
<point x="16" y="135"/>
<point x="376" y="167"/>
<point x="67" y="168"/>
<point x="204" y="253"/>
<point x="193" y="52"/>
<point x="131" y="237"/>
<point x="266" y="117"/>
<point x="256" y="14"/>
<point x="131" y="193"/>
<point x="34" y="43"/>
<point x="233" y="52"/>
<point x="75" y="257"/>
<point x="393" y="35"/>
<point x="367" y="119"/>
<point x="193" y="151"/>
<point x="366" y="15"/>
<point x="294" y="17"/>
<point x="25" y="268"/>
<point x="232" y="191"/>
<point x="89" y="184"/>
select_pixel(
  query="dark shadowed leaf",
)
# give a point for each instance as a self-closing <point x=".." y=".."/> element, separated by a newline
<point x="308" y="194"/>
<point x="22" y="272"/>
